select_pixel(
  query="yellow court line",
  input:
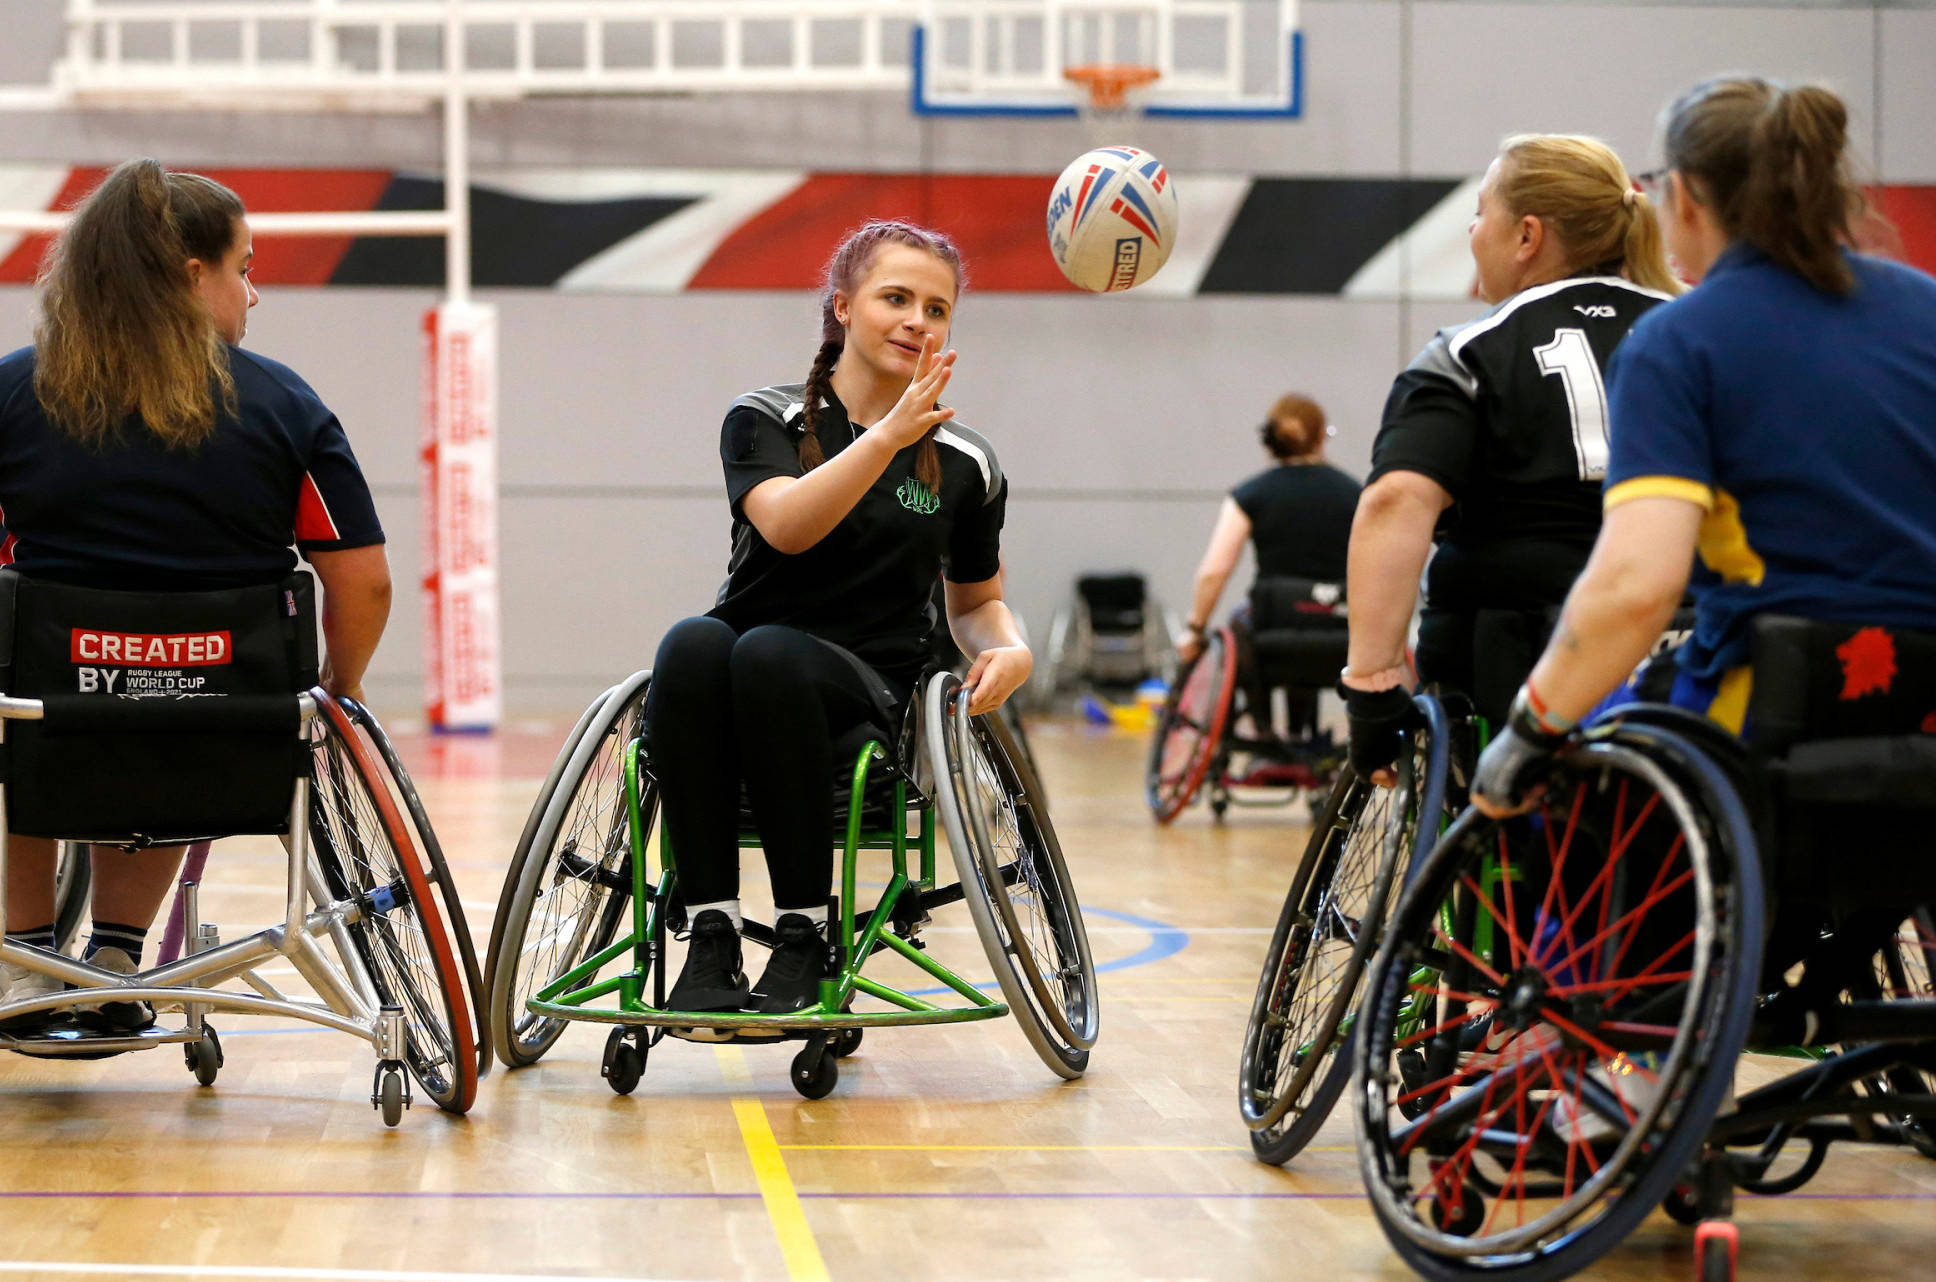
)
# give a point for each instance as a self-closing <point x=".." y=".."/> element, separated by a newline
<point x="1045" y="1148"/>
<point x="783" y="1209"/>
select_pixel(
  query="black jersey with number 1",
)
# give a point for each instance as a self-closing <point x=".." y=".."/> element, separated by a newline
<point x="1509" y="413"/>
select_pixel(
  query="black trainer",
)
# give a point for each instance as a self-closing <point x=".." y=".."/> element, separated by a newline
<point x="793" y="974"/>
<point x="711" y="979"/>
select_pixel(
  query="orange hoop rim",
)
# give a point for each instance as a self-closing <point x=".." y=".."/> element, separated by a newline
<point x="1109" y="84"/>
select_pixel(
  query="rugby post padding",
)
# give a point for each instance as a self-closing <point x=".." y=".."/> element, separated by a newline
<point x="463" y="677"/>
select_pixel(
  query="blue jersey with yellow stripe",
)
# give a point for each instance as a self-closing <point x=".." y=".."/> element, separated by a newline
<point x="1804" y="423"/>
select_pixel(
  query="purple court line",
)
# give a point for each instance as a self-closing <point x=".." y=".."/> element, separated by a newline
<point x="1352" y="1196"/>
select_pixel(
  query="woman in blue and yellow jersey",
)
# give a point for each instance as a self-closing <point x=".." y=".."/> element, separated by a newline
<point x="1779" y="420"/>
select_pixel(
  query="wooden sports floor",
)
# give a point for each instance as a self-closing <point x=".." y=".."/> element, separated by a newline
<point x="944" y="1153"/>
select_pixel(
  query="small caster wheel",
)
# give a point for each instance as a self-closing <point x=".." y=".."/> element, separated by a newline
<point x="1218" y="806"/>
<point x="815" y="1071"/>
<point x="1715" y="1244"/>
<point x="204" y="1057"/>
<point x="1682" y="1206"/>
<point x="1461" y="1217"/>
<point x="847" y="1041"/>
<point x="390" y="1099"/>
<point x="624" y="1062"/>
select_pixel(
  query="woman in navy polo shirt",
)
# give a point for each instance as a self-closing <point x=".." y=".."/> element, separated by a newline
<point x="849" y="494"/>
<point x="1780" y="420"/>
<point x="142" y="449"/>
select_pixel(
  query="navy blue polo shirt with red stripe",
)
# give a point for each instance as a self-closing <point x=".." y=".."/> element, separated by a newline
<point x="137" y="515"/>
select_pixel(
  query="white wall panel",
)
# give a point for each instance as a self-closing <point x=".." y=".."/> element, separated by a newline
<point x="1908" y="97"/>
<point x="1481" y="71"/>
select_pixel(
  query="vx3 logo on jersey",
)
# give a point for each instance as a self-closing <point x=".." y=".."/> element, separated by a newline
<point x="916" y="497"/>
<point x="1600" y="311"/>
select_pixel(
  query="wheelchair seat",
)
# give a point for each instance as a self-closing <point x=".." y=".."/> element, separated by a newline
<point x="140" y="719"/>
<point x="1297" y="634"/>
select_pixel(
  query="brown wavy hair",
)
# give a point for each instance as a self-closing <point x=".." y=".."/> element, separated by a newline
<point x="122" y="330"/>
<point x="1578" y="188"/>
<point x="1772" y="163"/>
<point x="844" y="272"/>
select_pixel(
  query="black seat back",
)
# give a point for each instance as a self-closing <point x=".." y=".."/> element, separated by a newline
<point x="84" y="777"/>
<point x="1299" y="633"/>
<point x="1841" y="723"/>
<point x="1116" y="601"/>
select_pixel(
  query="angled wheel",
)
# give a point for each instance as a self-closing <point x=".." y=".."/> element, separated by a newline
<point x="568" y="887"/>
<point x="1294" y="1063"/>
<point x="1903" y="970"/>
<point x="1191" y="727"/>
<point x="367" y="856"/>
<point x="73" y="879"/>
<point x="1013" y="877"/>
<point x="405" y="792"/>
<point x="1557" y="1013"/>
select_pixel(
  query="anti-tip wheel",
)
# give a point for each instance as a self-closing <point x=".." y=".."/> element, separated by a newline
<point x="815" y="1071"/>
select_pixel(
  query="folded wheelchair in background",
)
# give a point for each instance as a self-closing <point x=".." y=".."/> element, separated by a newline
<point x="150" y="719"/>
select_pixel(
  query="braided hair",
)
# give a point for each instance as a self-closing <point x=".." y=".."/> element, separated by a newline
<point x="844" y="272"/>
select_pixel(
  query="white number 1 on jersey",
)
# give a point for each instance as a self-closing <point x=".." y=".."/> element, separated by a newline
<point x="1571" y="357"/>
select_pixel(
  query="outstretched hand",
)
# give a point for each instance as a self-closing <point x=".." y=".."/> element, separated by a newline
<point x="917" y="411"/>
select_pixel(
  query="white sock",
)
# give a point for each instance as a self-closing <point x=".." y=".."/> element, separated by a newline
<point x="817" y="914"/>
<point x="728" y="906"/>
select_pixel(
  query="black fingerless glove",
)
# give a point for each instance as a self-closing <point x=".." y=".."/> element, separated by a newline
<point x="1379" y="720"/>
<point x="1516" y="758"/>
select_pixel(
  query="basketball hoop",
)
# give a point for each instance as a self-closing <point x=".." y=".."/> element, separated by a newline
<point x="1105" y="94"/>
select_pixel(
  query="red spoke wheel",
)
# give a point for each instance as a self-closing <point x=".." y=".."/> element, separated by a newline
<point x="1191" y="727"/>
<point x="367" y="857"/>
<point x="1547" y="1036"/>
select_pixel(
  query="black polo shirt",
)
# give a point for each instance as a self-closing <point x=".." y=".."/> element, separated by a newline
<point x="868" y="584"/>
<point x="1300" y="520"/>
<point x="137" y="515"/>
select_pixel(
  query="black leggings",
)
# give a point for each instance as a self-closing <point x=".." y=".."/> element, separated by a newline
<point x="764" y="707"/>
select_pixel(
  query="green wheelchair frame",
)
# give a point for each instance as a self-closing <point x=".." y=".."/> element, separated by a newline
<point x="830" y="1027"/>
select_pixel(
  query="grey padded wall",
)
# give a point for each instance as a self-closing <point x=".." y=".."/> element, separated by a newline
<point x="1120" y="420"/>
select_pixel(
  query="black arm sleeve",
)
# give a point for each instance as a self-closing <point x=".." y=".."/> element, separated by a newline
<point x="975" y="543"/>
<point x="1431" y="423"/>
<point x="754" y="447"/>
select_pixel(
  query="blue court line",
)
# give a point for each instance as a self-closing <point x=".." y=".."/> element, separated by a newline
<point x="1165" y="941"/>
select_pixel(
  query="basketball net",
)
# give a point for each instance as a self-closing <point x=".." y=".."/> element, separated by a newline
<point x="1107" y="95"/>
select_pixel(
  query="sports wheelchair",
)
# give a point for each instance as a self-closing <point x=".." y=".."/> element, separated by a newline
<point x="1292" y="1071"/>
<point x="1548" y="1042"/>
<point x="1292" y="640"/>
<point x="587" y="911"/>
<point x="215" y="730"/>
<point x="1112" y="635"/>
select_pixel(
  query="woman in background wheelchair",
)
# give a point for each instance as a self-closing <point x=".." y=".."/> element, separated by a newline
<point x="849" y="494"/>
<point x="1628" y="901"/>
<point x="1296" y="513"/>
<point x="142" y="449"/>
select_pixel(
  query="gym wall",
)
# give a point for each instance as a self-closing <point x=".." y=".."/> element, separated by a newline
<point x="1120" y="420"/>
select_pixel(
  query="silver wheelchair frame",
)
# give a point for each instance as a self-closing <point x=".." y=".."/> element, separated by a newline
<point x="349" y="1001"/>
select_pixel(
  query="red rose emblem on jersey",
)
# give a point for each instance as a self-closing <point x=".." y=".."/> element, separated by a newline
<point x="1868" y="663"/>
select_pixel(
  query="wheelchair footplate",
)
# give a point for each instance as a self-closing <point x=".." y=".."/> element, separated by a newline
<point x="69" y="1041"/>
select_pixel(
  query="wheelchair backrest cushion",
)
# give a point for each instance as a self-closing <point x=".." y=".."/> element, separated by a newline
<point x="1115" y="601"/>
<point x="1816" y="680"/>
<point x="58" y="640"/>
<point x="1283" y="601"/>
